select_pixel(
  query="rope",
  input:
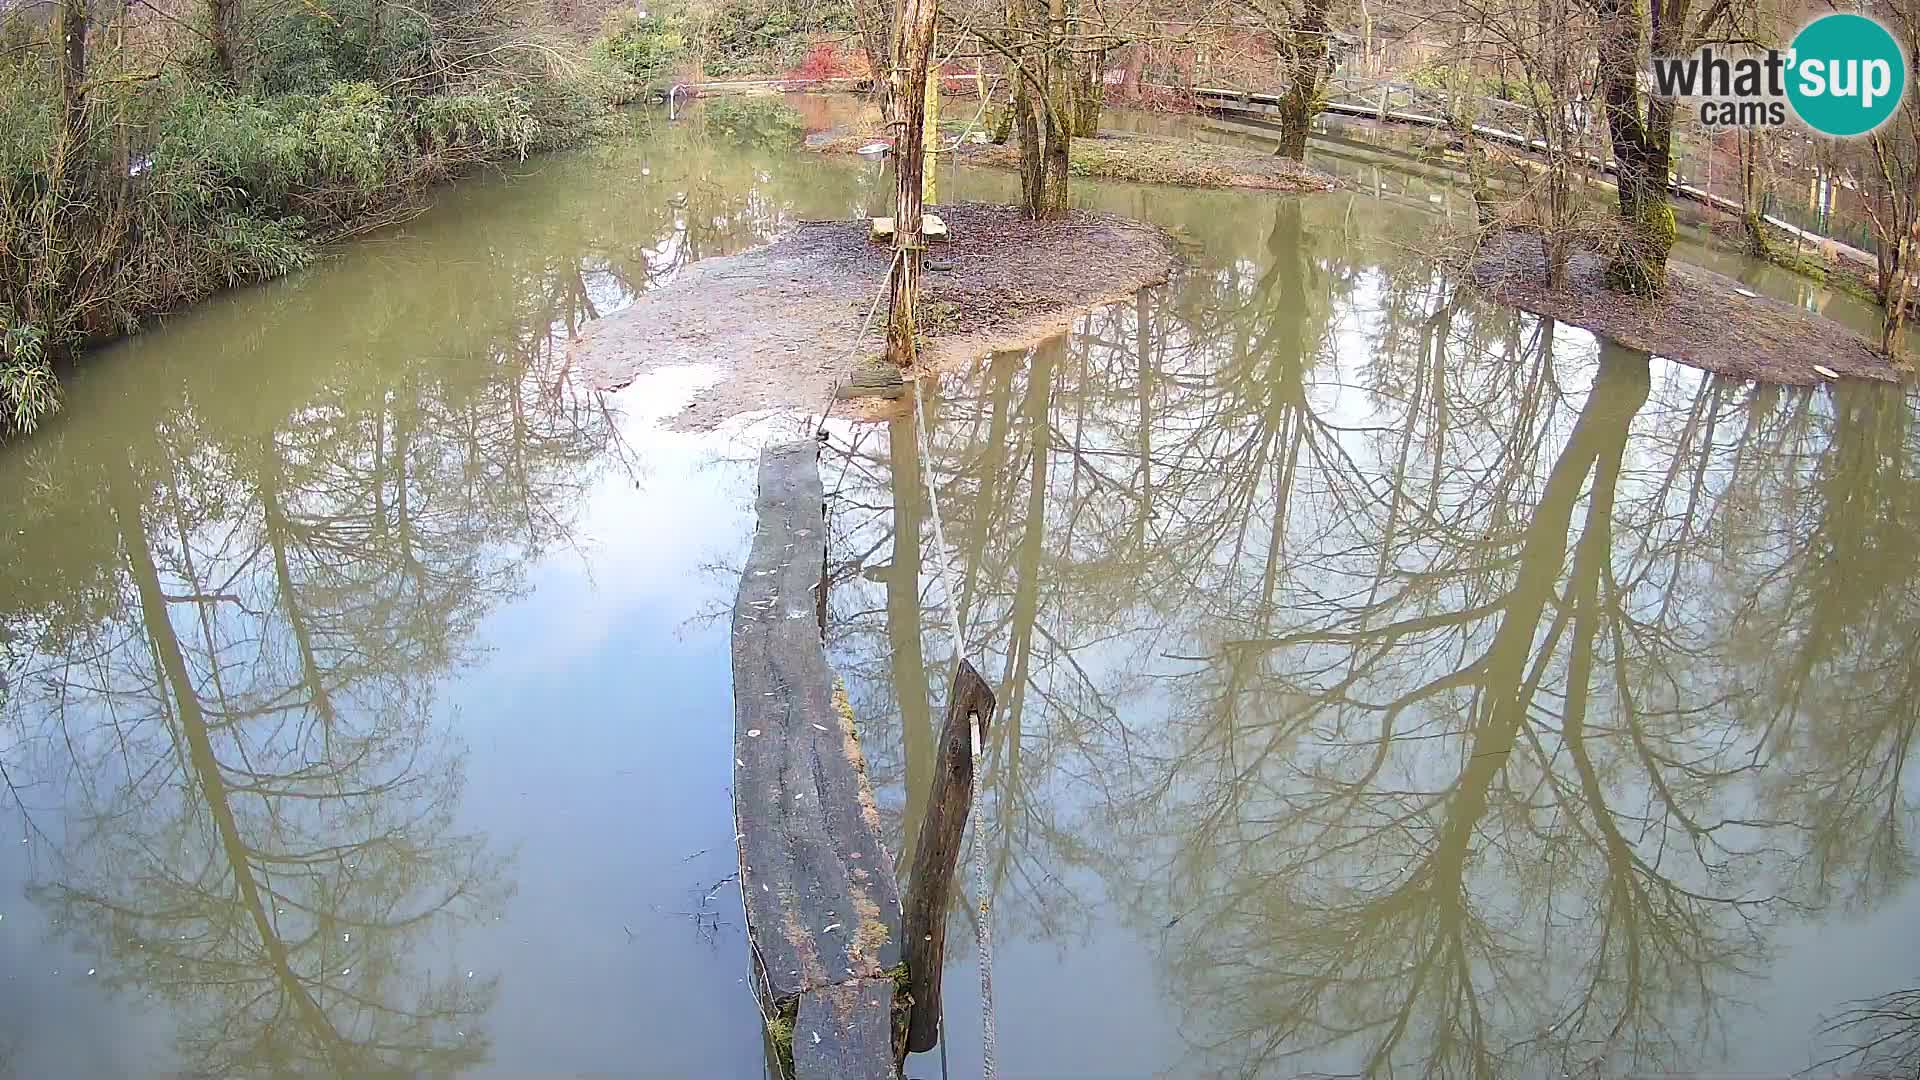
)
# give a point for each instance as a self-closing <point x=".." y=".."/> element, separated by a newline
<point x="983" y="925"/>
<point x="833" y="387"/>
<point x="939" y="537"/>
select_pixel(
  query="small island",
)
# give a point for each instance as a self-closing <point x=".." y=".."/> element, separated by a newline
<point x="791" y="319"/>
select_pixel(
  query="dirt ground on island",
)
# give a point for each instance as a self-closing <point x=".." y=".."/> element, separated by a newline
<point x="1702" y="319"/>
<point x="780" y="322"/>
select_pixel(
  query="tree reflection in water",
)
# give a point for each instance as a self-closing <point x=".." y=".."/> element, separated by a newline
<point x="1446" y="693"/>
<point x="226" y="685"/>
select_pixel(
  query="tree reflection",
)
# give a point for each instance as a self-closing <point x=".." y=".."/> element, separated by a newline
<point x="1443" y="696"/>
<point x="236" y="717"/>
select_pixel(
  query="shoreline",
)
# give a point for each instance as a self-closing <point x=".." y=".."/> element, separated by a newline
<point x="1703" y="319"/>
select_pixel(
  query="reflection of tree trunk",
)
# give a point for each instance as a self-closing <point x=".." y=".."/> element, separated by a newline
<point x="1435" y="886"/>
<point x="402" y="459"/>
<point x="1143" y="389"/>
<point x="1599" y="435"/>
<point x="986" y="504"/>
<point x="1631" y="381"/>
<point x="1026" y="595"/>
<point x="274" y="524"/>
<point x="906" y="655"/>
<point x="211" y="781"/>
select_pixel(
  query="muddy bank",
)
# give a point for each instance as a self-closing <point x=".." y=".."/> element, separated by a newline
<point x="1123" y="155"/>
<point x="779" y="322"/>
<point x="1702" y="319"/>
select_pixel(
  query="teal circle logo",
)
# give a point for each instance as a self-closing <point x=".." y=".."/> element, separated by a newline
<point x="1846" y="75"/>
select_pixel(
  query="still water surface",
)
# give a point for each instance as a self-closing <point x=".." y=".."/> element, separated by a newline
<point x="1391" y="682"/>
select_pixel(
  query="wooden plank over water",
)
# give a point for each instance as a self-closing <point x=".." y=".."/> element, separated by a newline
<point x="845" y="1032"/>
<point x="822" y="905"/>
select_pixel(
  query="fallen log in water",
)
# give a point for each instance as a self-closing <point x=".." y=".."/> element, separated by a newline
<point x="822" y="906"/>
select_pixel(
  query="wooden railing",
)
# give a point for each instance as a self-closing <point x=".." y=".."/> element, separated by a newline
<point x="1496" y="121"/>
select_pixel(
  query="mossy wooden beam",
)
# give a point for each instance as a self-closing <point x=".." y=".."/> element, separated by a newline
<point x="822" y="906"/>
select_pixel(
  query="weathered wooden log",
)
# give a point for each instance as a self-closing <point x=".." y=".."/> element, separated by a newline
<point x="937" y="852"/>
<point x="822" y="905"/>
<point x="845" y="1032"/>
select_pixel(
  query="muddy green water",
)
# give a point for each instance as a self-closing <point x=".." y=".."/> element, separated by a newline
<point x="1391" y="683"/>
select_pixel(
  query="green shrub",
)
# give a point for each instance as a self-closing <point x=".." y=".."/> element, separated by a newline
<point x="185" y="183"/>
<point x="28" y="389"/>
<point x="643" y="47"/>
<point x="743" y="37"/>
<point x="251" y="248"/>
<point x="307" y="47"/>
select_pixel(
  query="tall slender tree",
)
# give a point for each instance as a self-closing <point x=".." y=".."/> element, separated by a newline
<point x="1641" y="126"/>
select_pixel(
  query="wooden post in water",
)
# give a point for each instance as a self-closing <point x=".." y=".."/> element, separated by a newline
<point x="912" y="56"/>
<point x="937" y="852"/>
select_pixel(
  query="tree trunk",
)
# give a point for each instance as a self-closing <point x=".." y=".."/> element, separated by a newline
<point x="1642" y="148"/>
<point x="374" y="31"/>
<point x="220" y="17"/>
<point x="1089" y="94"/>
<point x="72" y="29"/>
<point x="1646" y="220"/>
<point x="1752" y="192"/>
<point x="1303" y="50"/>
<point x="930" y="143"/>
<point x="914" y="51"/>
<point x="1560" y="210"/>
<point x="1136" y="71"/>
<point x="1052" y="200"/>
<point x="1025" y="17"/>
<point x="875" y="21"/>
<point x="1899" y="289"/>
<point x="1032" y="169"/>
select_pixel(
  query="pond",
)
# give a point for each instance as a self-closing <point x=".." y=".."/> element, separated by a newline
<point x="1391" y="682"/>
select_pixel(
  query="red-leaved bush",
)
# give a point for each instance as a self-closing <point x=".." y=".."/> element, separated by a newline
<point x="823" y="60"/>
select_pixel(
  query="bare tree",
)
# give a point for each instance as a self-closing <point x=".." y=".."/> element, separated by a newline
<point x="1892" y="183"/>
<point x="1641" y="126"/>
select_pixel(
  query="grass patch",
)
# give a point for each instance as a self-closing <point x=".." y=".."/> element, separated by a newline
<point x="901" y="1014"/>
<point x="1833" y="275"/>
<point x="780" y="1035"/>
<point x="1152" y="160"/>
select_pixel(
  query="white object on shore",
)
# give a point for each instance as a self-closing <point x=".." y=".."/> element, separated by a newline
<point x="931" y="228"/>
<point x="1746" y="292"/>
<point x="874" y="148"/>
<point x="1825" y="372"/>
